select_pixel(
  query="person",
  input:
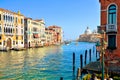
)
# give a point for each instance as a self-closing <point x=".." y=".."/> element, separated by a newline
<point x="111" y="77"/>
<point x="93" y="77"/>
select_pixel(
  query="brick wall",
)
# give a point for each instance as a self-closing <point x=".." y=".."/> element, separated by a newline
<point x="104" y="7"/>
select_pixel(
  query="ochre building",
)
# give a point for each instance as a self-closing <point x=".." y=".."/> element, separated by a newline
<point x="11" y="29"/>
<point x="18" y="31"/>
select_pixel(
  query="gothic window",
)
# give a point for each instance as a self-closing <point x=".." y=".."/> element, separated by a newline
<point x="11" y="19"/>
<point x="4" y="17"/>
<point x="112" y="14"/>
<point x="4" y="29"/>
<point x="16" y="19"/>
<point x="11" y="30"/>
<point x="0" y="29"/>
<point x="0" y="16"/>
<point x="112" y="20"/>
<point x="8" y="18"/>
<point x="16" y="30"/>
<point x="21" y="21"/>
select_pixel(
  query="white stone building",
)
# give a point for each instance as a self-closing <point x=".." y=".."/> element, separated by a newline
<point x="34" y="32"/>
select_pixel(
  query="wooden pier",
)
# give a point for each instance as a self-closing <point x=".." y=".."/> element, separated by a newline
<point x="113" y="68"/>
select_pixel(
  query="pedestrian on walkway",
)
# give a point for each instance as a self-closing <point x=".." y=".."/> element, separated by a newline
<point x="93" y="77"/>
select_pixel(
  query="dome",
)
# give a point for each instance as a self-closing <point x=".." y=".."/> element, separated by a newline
<point x="88" y="31"/>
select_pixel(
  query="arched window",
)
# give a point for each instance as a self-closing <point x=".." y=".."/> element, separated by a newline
<point x="11" y="18"/>
<point x="16" y="30"/>
<point x="4" y="17"/>
<point x="8" y="18"/>
<point x="8" y="30"/>
<point x="4" y="29"/>
<point x="11" y="30"/>
<point x="112" y="17"/>
<point x="0" y="29"/>
<point x="0" y="16"/>
<point x="112" y="14"/>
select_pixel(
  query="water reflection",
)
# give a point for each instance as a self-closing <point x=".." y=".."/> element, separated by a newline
<point x="48" y="63"/>
<point x="32" y="63"/>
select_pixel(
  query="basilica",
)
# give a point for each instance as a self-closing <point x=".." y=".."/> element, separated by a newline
<point x="89" y="36"/>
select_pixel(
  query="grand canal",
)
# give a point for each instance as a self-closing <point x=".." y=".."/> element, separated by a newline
<point x="47" y="63"/>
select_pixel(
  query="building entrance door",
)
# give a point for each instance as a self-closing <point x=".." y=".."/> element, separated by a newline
<point x="29" y="44"/>
<point x="9" y="43"/>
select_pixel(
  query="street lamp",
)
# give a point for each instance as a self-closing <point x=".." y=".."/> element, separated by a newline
<point x="101" y="48"/>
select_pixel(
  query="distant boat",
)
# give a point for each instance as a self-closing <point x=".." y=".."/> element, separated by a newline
<point x="67" y="42"/>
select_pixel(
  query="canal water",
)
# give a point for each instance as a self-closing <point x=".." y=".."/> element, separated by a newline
<point x="47" y="63"/>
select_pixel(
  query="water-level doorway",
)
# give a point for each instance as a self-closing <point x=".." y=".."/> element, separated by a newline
<point x="9" y="43"/>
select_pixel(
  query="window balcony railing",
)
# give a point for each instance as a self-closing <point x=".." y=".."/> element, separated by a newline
<point x="111" y="28"/>
<point x="11" y="34"/>
<point x="20" y="34"/>
<point x="35" y="32"/>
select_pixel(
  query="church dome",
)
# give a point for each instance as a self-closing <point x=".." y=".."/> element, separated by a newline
<point x="88" y="31"/>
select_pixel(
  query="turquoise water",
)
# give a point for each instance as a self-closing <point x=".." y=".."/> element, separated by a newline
<point x="47" y="63"/>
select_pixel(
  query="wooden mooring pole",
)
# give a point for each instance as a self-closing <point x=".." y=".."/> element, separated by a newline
<point x="93" y="49"/>
<point x="73" y="62"/>
<point x="61" y="78"/>
<point x="90" y="54"/>
<point x="96" y="54"/>
<point x="85" y="57"/>
<point x="81" y="61"/>
<point x="78" y="73"/>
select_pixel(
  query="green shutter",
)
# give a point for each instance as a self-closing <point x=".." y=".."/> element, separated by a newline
<point x="111" y="41"/>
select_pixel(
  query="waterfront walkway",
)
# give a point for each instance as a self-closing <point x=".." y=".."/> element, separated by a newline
<point x="113" y="67"/>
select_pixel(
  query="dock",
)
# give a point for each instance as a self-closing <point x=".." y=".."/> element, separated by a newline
<point x="113" y="67"/>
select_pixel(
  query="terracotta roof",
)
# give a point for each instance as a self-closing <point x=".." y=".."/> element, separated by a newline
<point x="39" y="20"/>
<point x="46" y="28"/>
<point x="54" y="26"/>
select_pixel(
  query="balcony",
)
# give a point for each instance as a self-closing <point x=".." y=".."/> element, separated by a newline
<point x="111" y="28"/>
<point x="35" y="32"/>
<point x="9" y="34"/>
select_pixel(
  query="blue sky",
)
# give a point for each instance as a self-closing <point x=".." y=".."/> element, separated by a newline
<point x="72" y="15"/>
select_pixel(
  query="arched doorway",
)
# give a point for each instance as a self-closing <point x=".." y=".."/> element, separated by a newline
<point x="9" y="43"/>
<point x="29" y="44"/>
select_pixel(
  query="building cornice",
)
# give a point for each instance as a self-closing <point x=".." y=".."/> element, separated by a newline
<point x="5" y="10"/>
